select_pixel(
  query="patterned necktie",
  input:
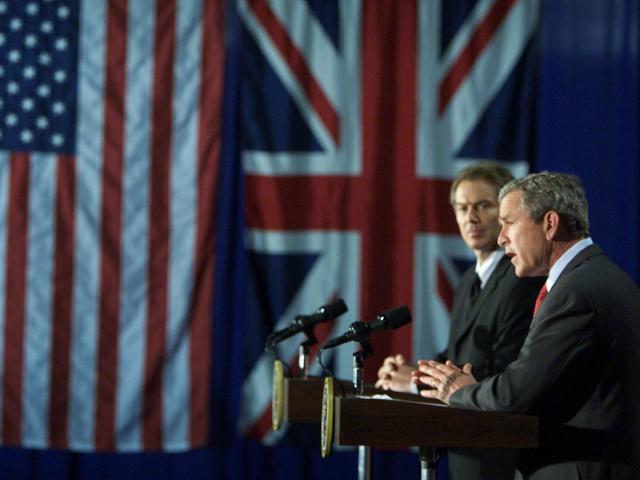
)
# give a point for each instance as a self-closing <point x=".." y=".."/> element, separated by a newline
<point x="541" y="296"/>
<point x="475" y="289"/>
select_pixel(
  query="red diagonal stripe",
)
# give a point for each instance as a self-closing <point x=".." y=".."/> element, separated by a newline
<point x="478" y="42"/>
<point x="299" y="67"/>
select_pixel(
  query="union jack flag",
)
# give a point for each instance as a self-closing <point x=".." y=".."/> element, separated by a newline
<point x="356" y="115"/>
<point x="109" y="139"/>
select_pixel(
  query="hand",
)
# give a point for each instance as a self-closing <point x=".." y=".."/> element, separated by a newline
<point x="395" y="374"/>
<point x="444" y="379"/>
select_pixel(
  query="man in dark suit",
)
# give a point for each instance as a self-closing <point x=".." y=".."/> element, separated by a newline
<point x="577" y="369"/>
<point x="491" y="312"/>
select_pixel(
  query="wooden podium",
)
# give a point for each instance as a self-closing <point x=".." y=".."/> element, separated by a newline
<point x="386" y="423"/>
<point x="302" y="397"/>
<point x="402" y="421"/>
<point x="370" y="422"/>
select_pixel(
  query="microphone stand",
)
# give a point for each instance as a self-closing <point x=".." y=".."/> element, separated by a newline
<point x="303" y="351"/>
<point x="364" y="452"/>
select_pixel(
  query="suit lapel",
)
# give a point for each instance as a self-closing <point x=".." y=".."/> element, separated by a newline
<point x="471" y="312"/>
<point x="463" y="305"/>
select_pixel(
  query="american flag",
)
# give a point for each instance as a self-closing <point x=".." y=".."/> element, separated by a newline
<point x="109" y="143"/>
<point x="356" y="116"/>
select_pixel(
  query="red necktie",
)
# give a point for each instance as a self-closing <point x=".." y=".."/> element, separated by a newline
<point x="541" y="297"/>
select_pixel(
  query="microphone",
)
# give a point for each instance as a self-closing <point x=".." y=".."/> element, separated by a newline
<point x="359" y="331"/>
<point x="304" y="322"/>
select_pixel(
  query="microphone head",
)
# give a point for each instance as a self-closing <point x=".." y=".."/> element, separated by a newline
<point x="395" y="317"/>
<point x="333" y="310"/>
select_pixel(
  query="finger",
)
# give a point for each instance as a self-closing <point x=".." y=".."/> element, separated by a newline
<point x="387" y="362"/>
<point x="451" y="365"/>
<point x="400" y="360"/>
<point x="426" y="393"/>
<point x="390" y="364"/>
<point x="434" y="372"/>
<point x="467" y="368"/>
<point x="383" y="371"/>
<point x="444" y="369"/>
<point x="383" y="384"/>
<point x="431" y="382"/>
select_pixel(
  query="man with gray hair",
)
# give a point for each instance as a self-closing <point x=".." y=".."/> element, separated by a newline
<point x="491" y="312"/>
<point x="577" y="368"/>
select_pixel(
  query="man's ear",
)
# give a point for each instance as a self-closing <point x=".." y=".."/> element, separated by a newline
<point x="551" y="224"/>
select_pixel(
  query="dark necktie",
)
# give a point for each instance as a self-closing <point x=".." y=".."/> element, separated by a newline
<point x="541" y="296"/>
<point x="475" y="289"/>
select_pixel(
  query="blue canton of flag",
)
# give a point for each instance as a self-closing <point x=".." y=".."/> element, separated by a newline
<point x="38" y="45"/>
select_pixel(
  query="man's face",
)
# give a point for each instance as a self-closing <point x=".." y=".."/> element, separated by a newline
<point x="524" y="241"/>
<point x="476" y="209"/>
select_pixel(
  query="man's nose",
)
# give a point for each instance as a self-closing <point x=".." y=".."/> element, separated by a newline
<point x="502" y="237"/>
<point x="472" y="213"/>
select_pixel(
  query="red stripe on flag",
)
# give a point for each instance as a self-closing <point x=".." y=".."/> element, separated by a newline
<point x="390" y="189"/>
<point x="477" y="43"/>
<point x="14" y="313"/>
<point x="298" y="65"/>
<point x="445" y="290"/>
<point x="209" y="134"/>
<point x="435" y="212"/>
<point x="159" y="222"/>
<point x="62" y="295"/>
<point x="315" y="202"/>
<point x="263" y="426"/>
<point x="110" y="262"/>
<point x="324" y="203"/>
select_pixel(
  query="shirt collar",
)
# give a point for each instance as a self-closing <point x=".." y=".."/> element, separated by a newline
<point x="486" y="268"/>
<point x="558" y="267"/>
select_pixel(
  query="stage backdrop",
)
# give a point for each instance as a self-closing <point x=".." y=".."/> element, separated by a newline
<point x="344" y="122"/>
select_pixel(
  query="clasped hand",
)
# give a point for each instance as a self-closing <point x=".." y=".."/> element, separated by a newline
<point x="395" y="374"/>
<point x="443" y="379"/>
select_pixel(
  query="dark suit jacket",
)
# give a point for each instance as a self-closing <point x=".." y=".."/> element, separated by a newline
<point x="576" y="371"/>
<point x="489" y="334"/>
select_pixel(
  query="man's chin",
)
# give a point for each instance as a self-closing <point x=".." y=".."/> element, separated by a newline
<point x="481" y="244"/>
<point x="519" y="269"/>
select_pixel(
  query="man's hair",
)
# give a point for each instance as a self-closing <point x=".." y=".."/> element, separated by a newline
<point x="491" y="172"/>
<point x="562" y="193"/>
